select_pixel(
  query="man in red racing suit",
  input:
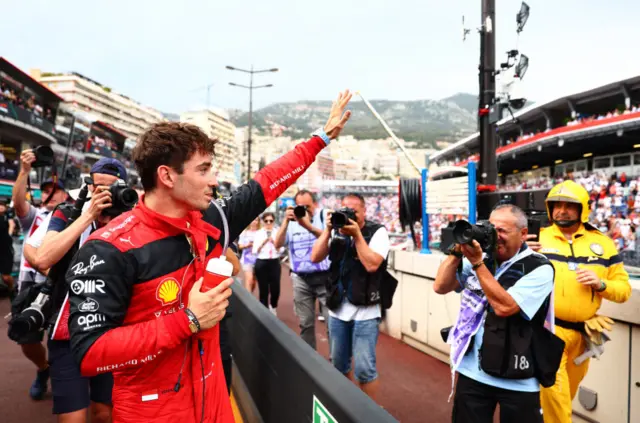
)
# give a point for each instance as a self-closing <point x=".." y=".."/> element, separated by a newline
<point x="133" y="311"/>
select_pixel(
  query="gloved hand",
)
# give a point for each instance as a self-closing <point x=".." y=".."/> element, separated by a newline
<point x="595" y="326"/>
<point x="591" y="350"/>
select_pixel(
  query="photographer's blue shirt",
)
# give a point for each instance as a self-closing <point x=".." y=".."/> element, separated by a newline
<point x="300" y="242"/>
<point x="529" y="293"/>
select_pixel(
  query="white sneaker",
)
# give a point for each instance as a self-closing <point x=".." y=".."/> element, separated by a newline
<point x="321" y="318"/>
<point x="273" y="310"/>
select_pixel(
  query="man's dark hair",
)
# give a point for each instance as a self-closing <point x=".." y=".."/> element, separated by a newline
<point x="314" y="198"/>
<point x="355" y="195"/>
<point x="168" y="144"/>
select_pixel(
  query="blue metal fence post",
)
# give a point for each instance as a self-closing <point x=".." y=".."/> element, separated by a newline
<point x="471" y="174"/>
<point x="425" y="217"/>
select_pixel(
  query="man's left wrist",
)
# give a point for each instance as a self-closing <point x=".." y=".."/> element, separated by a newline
<point x="320" y="132"/>
<point x="602" y="286"/>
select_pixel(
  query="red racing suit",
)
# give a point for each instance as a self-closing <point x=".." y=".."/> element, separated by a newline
<point x="129" y="284"/>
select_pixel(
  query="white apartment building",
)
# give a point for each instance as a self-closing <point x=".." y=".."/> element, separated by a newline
<point x="86" y="95"/>
<point x="216" y="124"/>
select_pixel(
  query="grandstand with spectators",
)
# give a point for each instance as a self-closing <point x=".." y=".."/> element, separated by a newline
<point x="27" y="120"/>
<point x="592" y="137"/>
<point x="32" y="115"/>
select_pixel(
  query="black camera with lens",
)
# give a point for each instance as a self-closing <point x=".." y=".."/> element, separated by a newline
<point x="33" y="318"/>
<point x="340" y="218"/>
<point x="44" y="156"/>
<point x="300" y="211"/>
<point x="483" y="232"/>
<point x="123" y="199"/>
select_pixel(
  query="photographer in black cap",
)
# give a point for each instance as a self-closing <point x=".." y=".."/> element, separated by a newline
<point x="68" y="230"/>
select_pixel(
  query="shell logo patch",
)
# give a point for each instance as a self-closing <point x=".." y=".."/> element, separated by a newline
<point x="597" y="249"/>
<point x="168" y="291"/>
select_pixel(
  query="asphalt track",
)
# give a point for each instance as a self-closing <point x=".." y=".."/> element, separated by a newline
<point x="414" y="387"/>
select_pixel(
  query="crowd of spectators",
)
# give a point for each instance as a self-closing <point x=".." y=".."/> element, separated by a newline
<point x="614" y="201"/>
<point x="614" y="207"/>
<point x="577" y="120"/>
<point x="25" y="101"/>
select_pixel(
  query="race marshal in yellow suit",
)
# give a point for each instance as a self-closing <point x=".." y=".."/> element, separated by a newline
<point x="587" y="269"/>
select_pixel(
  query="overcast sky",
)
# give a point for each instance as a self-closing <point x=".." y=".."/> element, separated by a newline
<point x="160" y="53"/>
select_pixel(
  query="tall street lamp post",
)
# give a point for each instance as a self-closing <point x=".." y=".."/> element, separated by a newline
<point x="250" y="87"/>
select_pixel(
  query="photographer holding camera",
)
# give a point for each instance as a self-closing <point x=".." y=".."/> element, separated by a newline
<point x="70" y="226"/>
<point x="358" y="252"/>
<point x="30" y="218"/>
<point x="505" y="301"/>
<point x="301" y="227"/>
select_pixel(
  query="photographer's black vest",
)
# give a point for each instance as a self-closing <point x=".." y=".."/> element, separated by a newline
<point x="349" y="278"/>
<point x="511" y="346"/>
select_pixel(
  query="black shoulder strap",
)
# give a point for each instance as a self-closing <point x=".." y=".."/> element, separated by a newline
<point x="520" y="268"/>
<point x="322" y="216"/>
<point x="371" y="228"/>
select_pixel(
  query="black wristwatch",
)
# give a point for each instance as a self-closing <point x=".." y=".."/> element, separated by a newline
<point x="477" y="265"/>
<point x="194" y="325"/>
<point x="451" y="251"/>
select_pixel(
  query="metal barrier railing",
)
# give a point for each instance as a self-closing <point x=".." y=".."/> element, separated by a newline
<point x="286" y="380"/>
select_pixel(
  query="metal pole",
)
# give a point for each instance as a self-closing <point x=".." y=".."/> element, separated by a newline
<point x="488" y="172"/>
<point x="473" y="203"/>
<point x="250" y="125"/>
<point x="70" y="140"/>
<point x="390" y="132"/>
<point x="425" y="216"/>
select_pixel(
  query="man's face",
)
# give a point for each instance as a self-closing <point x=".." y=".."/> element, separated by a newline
<point x="102" y="182"/>
<point x="306" y="200"/>
<point x="194" y="187"/>
<point x="510" y="237"/>
<point x="355" y="204"/>
<point x="3" y="209"/>
<point x="565" y="212"/>
<point x="58" y="197"/>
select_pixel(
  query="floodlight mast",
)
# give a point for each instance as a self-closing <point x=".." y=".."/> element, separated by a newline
<point x="489" y="107"/>
<point x="488" y="169"/>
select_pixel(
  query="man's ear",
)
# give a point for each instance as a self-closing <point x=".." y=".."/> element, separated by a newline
<point x="166" y="176"/>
